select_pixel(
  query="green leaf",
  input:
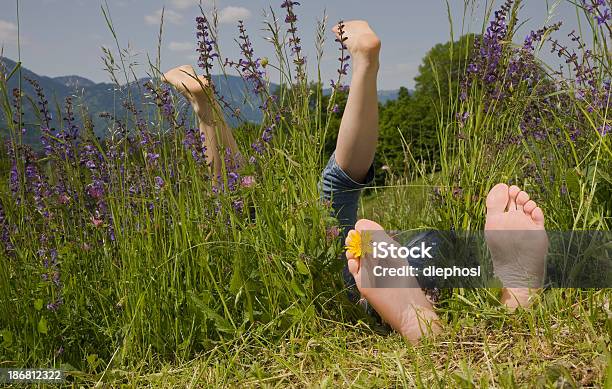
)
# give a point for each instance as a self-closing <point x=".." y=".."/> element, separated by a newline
<point x="38" y="304"/>
<point x="12" y="73"/>
<point x="91" y="359"/>
<point x="297" y="288"/>
<point x="236" y="280"/>
<point x="221" y="324"/>
<point x="572" y="180"/>
<point x="42" y="326"/>
<point x="302" y="268"/>
<point x="68" y="367"/>
<point x="7" y="338"/>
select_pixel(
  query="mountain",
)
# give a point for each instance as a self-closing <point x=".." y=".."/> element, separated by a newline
<point x="386" y="95"/>
<point x="75" y="82"/>
<point x="94" y="98"/>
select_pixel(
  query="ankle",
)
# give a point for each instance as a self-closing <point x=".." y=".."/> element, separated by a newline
<point x="366" y="64"/>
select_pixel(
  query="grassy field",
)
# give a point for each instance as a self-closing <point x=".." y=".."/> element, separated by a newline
<point x="123" y="262"/>
<point x="561" y="343"/>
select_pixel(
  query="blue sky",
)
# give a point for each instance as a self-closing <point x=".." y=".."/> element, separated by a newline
<point x="62" y="37"/>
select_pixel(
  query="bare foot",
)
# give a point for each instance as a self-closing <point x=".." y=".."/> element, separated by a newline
<point x="195" y="88"/>
<point x="406" y="309"/>
<point x="218" y="136"/>
<point x="361" y="41"/>
<point x="518" y="243"/>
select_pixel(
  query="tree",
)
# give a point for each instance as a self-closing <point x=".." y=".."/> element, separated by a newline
<point x="416" y="116"/>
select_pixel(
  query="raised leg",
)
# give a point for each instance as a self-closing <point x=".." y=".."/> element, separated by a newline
<point x="358" y="133"/>
<point x="217" y="134"/>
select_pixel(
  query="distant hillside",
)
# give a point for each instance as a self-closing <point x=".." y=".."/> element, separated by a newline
<point x="106" y="97"/>
<point x="75" y="82"/>
<point x="386" y="95"/>
<point x="95" y="98"/>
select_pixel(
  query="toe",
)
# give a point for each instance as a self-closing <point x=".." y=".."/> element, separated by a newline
<point x="513" y="194"/>
<point x="353" y="266"/>
<point x="353" y="263"/>
<point x="529" y="207"/>
<point x="187" y="69"/>
<point x="538" y="216"/>
<point x="497" y="199"/>
<point x="521" y="200"/>
<point x="367" y="225"/>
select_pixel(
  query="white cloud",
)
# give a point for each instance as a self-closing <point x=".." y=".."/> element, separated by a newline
<point x="181" y="46"/>
<point x="184" y="4"/>
<point x="170" y="16"/>
<point x="233" y="14"/>
<point x="8" y="32"/>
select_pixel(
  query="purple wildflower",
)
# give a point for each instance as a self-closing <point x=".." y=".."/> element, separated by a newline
<point x="238" y="205"/>
<point x="96" y="189"/>
<point x="43" y="104"/>
<point x="249" y="67"/>
<point x="17" y="109"/>
<point x="73" y="129"/>
<point x="205" y="46"/>
<point x="332" y="233"/>
<point x="344" y="57"/>
<point x="266" y="136"/>
<point x="159" y="182"/>
<point x="5" y="231"/>
<point x="603" y="17"/>
<point x="294" y="40"/>
<point x="247" y="182"/>
<point x="233" y="180"/>
<point x="152" y="158"/>
<point x="462" y="118"/>
<point x="54" y="306"/>
<point x="163" y="99"/>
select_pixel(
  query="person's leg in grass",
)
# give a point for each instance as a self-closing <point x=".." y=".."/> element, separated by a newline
<point x="358" y="134"/>
<point x="407" y="309"/>
<point x="518" y="243"/>
<point x="217" y="134"/>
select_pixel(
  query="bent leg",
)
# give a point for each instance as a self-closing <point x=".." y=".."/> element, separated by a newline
<point x="217" y="134"/>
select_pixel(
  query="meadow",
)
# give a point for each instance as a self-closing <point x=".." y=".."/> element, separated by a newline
<point x="124" y="262"/>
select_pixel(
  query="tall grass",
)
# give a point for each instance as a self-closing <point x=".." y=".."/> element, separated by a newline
<point x="125" y="250"/>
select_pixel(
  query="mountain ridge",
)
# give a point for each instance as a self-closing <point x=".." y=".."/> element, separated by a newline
<point x="106" y="97"/>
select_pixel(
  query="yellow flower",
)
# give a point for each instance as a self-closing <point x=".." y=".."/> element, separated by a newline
<point x="357" y="244"/>
<point x="353" y="245"/>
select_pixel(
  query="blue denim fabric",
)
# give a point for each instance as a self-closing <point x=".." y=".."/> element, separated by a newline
<point x="344" y="194"/>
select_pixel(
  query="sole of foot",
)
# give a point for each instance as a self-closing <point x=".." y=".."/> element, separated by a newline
<point x="518" y="243"/>
<point x="187" y="82"/>
<point x="361" y="41"/>
<point x="405" y="309"/>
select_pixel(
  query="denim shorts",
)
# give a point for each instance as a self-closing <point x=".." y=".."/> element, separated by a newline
<point x="343" y="192"/>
